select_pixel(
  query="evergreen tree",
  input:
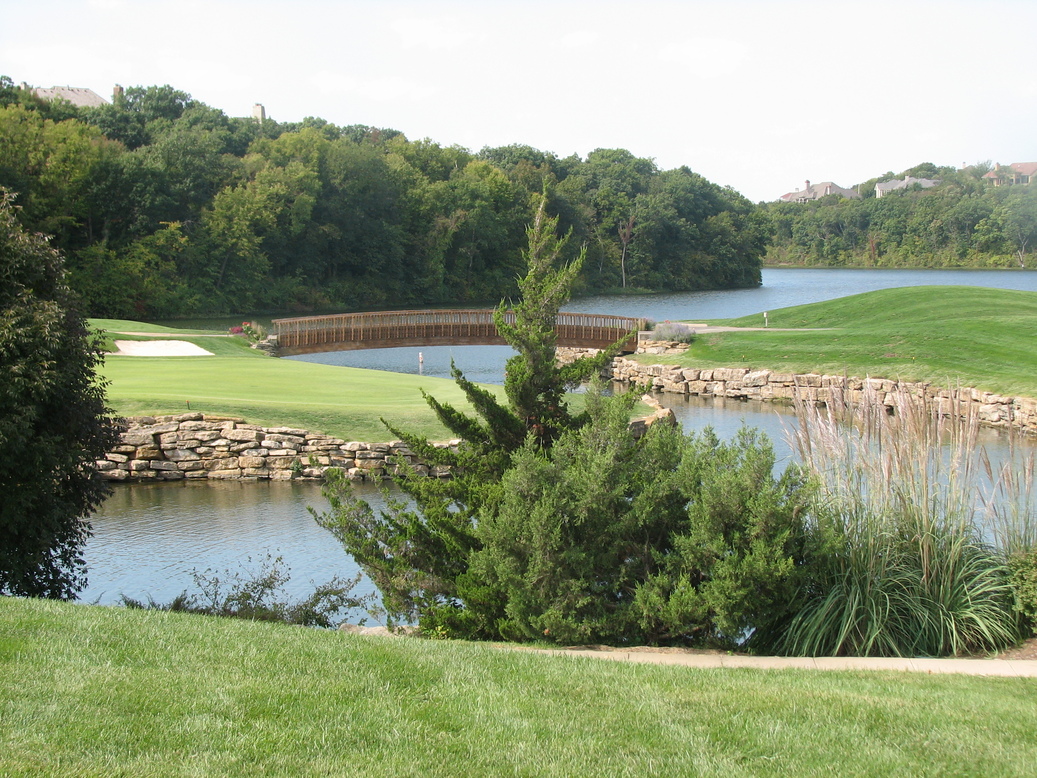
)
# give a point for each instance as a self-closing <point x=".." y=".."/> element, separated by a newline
<point x="418" y="557"/>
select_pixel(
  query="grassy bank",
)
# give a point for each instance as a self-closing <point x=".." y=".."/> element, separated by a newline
<point x="968" y="336"/>
<point x="239" y="381"/>
<point x="106" y="691"/>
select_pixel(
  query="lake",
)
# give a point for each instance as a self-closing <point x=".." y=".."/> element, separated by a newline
<point x="149" y="538"/>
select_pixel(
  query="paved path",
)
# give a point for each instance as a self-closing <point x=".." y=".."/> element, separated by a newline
<point x="1025" y="668"/>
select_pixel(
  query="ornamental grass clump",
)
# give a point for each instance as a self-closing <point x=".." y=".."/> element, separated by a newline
<point x="900" y="565"/>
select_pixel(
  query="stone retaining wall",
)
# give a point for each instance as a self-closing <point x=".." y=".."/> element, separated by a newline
<point x="990" y="409"/>
<point x="195" y="446"/>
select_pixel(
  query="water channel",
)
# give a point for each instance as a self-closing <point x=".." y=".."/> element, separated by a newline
<point x="149" y="539"/>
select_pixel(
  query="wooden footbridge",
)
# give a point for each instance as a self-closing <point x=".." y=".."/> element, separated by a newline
<point x="390" y="329"/>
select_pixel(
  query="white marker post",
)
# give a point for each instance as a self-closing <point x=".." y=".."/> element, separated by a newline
<point x="765" y="324"/>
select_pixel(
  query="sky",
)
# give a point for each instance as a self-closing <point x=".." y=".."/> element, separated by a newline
<point x="759" y="96"/>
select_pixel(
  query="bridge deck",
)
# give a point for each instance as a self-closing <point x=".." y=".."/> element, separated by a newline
<point x="389" y="329"/>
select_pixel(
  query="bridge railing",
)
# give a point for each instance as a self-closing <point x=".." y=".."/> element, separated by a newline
<point x="380" y="328"/>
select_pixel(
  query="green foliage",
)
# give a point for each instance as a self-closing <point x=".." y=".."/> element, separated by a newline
<point x="962" y="222"/>
<point x="53" y="420"/>
<point x="309" y="215"/>
<point x="663" y="539"/>
<point x="1023" y="571"/>
<point x="419" y="557"/>
<point x="256" y="594"/>
<point x="568" y="527"/>
<point x="897" y="564"/>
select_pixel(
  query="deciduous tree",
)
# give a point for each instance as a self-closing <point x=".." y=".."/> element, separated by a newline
<point x="53" y="420"/>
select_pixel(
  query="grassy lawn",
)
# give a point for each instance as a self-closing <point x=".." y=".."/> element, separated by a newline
<point x="239" y="381"/>
<point x="952" y="336"/>
<point x="87" y="690"/>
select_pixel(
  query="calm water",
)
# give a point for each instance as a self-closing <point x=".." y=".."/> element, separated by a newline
<point x="149" y="538"/>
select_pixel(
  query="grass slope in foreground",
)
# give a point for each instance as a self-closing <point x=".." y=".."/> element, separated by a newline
<point x="239" y="381"/>
<point x="87" y="690"/>
<point x="949" y="335"/>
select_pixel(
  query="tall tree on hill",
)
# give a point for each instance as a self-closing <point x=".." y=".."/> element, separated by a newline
<point x="53" y="420"/>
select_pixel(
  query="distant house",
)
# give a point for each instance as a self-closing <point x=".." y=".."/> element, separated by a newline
<point x="814" y="191"/>
<point x="1016" y="173"/>
<point x="883" y="187"/>
<point x="77" y="95"/>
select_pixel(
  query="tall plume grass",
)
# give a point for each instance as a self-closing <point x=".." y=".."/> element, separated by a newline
<point x="899" y="563"/>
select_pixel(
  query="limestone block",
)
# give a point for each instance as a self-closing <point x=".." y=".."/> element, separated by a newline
<point x="355" y="446"/>
<point x="370" y="464"/>
<point x="696" y="387"/>
<point x="284" y="441"/>
<point x="207" y="436"/>
<point x="205" y="451"/>
<point x="189" y="466"/>
<point x="115" y="475"/>
<point x="162" y="464"/>
<point x="289" y="431"/>
<point x="254" y="452"/>
<point x="224" y="475"/>
<point x="284" y="452"/>
<point x="365" y="455"/>
<point x="729" y="373"/>
<point x="199" y="425"/>
<point x="690" y="374"/>
<point x="342" y="462"/>
<point x="280" y="463"/>
<point x="181" y="455"/>
<point x="160" y="429"/>
<point x="356" y="474"/>
<point x="238" y="448"/>
<point x="196" y="474"/>
<point x="808" y="379"/>
<point x="256" y="472"/>
<point x="139" y="465"/>
<point x="148" y="452"/>
<point x="757" y="378"/>
<point x="137" y="438"/>
<point x="193" y="416"/>
<point x="240" y="435"/>
<point x="168" y="440"/>
<point x="280" y="475"/>
<point x="117" y="458"/>
<point x="124" y="449"/>
<point x="313" y="472"/>
<point x="227" y="463"/>
<point x="705" y="375"/>
<point x="104" y="465"/>
<point x="169" y="475"/>
<point x="781" y="378"/>
<point x="251" y="462"/>
<point x="188" y="444"/>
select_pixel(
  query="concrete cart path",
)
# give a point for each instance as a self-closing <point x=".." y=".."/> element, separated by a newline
<point x="1020" y="668"/>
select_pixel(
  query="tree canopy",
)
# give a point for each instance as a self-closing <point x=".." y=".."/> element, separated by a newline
<point x="308" y="215"/>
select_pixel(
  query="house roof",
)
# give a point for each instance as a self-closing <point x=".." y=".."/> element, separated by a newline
<point x="890" y="186"/>
<point x="814" y="191"/>
<point x="1025" y="168"/>
<point x="77" y="95"/>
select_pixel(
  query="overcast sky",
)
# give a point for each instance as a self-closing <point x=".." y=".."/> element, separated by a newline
<point x="755" y="95"/>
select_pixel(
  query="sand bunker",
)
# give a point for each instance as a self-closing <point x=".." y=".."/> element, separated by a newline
<point x="159" y="348"/>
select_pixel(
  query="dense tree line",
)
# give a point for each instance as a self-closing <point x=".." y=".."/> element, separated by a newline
<point x="965" y="221"/>
<point x="165" y="206"/>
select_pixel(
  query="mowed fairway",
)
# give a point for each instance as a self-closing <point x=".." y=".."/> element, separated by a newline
<point x="239" y="381"/>
<point x="948" y="335"/>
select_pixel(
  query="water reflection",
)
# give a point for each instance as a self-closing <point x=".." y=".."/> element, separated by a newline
<point x="148" y="538"/>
